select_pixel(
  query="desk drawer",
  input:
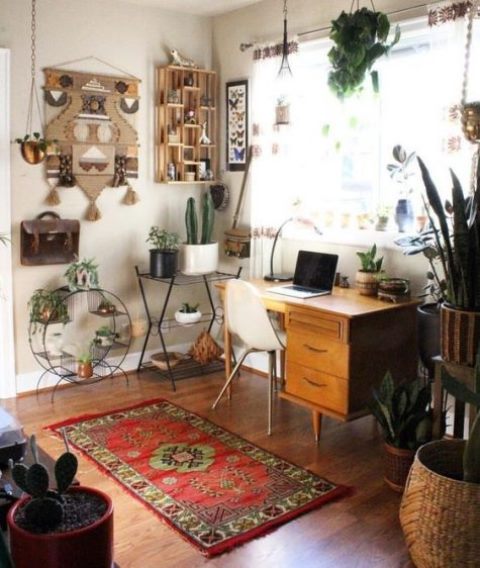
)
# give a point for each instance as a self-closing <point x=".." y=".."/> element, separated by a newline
<point x="317" y="387"/>
<point x="327" y="325"/>
<point x="318" y="352"/>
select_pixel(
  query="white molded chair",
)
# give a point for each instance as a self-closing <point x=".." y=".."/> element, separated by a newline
<point x="247" y="318"/>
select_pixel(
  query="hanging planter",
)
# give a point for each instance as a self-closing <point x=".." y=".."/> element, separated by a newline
<point x="360" y="39"/>
<point x="33" y="148"/>
<point x="470" y="111"/>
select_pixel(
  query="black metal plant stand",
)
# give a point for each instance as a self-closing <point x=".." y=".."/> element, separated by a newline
<point x="186" y="367"/>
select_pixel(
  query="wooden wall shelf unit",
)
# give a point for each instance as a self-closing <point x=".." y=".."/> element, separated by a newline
<point x="185" y="99"/>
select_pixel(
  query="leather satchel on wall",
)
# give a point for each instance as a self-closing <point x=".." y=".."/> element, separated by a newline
<point x="49" y="240"/>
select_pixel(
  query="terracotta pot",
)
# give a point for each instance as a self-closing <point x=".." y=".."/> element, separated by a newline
<point x="84" y="370"/>
<point x="31" y="152"/>
<point x="471" y="121"/>
<point x="397" y="465"/>
<point x="460" y="335"/>
<point x="366" y="283"/>
<point x="439" y="513"/>
<point x="90" y="546"/>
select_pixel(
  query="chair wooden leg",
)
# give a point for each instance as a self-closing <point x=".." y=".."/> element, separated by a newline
<point x="317" y="424"/>
<point x="271" y="370"/>
<point x="230" y="378"/>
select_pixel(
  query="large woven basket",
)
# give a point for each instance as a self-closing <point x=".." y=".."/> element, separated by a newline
<point x="440" y="516"/>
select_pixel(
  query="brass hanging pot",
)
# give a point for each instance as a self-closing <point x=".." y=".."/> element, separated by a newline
<point x="32" y="152"/>
<point x="470" y="111"/>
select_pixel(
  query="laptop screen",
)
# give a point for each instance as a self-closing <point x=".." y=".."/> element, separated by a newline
<point x="315" y="270"/>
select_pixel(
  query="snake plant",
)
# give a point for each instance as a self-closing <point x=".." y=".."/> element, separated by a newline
<point x="457" y="235"/>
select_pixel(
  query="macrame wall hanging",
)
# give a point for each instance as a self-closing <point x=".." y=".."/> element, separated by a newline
<point x="91" y="119"/>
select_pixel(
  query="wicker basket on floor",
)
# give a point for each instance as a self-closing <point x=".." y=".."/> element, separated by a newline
<point x="440" y="516"/>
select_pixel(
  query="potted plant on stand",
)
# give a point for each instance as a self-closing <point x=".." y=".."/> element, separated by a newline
<point x="403" y="412"/>
<point x="163" y="255"/>
<point x="401" y="172"/>
<point x="68" y="526"/>
<point x="82" y="275"/>
<point x="457" y="235"/>
<point x="47" y="306"/>
<point x="440" y="512"/>
<point x="187" y="314"/>
<point x="104" y="336"/>
<point x="366" y="279"/>
<point x="85" y="365"/>
<point x="200" y="257"/>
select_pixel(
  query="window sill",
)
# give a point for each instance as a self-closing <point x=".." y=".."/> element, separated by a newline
<point x="349" y="237"/>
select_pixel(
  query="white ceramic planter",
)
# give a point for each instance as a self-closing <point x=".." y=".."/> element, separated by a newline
<point x="199" y="259"/>
<point x="184" y="318"/>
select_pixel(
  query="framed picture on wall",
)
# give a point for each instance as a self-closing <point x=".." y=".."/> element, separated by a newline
<point x="237" y="125"/>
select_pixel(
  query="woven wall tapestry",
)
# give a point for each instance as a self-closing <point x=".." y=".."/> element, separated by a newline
<point x="91" y="119"/>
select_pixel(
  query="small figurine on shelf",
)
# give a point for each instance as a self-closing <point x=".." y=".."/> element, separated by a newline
<point x="190" y="117"/>
<point x="188" y="81"/>
<point x="206" y="101"/>
<point x="204" y="139"/>
<point x="173" y="97"/>
<point x="181" y="60"/>
<point x="173" y="135"/>
<point x="171" y="171"/>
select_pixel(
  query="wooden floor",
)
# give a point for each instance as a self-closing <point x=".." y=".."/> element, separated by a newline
<point x="357" y="531"/>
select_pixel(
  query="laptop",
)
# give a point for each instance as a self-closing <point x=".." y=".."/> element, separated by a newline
<point x="314" y="276"/>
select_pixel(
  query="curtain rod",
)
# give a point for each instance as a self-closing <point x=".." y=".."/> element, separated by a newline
<point x="245" y="46"/>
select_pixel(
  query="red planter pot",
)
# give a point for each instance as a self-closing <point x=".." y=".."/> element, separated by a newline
<point x="90" y="546"/>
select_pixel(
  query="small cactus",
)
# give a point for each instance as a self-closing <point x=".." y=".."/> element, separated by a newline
<point x="191" y="222"/>
<point x="45" y="509"/>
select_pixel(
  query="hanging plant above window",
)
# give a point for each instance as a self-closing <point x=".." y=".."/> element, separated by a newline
<point x="360" y="39"/>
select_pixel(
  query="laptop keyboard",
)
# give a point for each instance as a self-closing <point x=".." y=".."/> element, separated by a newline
<point x="301" y="288"/>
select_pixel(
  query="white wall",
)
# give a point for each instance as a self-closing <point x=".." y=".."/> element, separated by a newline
<point x="132" y="38"/>
<point x="263" y="21"/>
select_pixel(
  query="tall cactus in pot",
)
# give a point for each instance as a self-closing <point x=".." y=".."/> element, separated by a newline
<point x="191" y="222"/>
<point x="207" y="219"/>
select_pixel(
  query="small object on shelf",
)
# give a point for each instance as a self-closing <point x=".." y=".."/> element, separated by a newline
<point x="205" y="349"/>
<point x="344" y="283"/>
<point x="181" y="60"/>
<point x="173" y="96"/>
<point x="204" y="139"/>
<point x="106" y="307"/>
<point x="82" y="275"/>
<point x="188" y="81"/>
<point x="171" y="172"/>
<point x="282" y="111"/>
<point x="188" y="315"/>
<point x="104" y="336"/>
<point x="173" y="136"/>
<point x="189" y="176"/>
<point x="190" y="117"/>
<point x="173" y="358"/>
<point x="206" y="101"/>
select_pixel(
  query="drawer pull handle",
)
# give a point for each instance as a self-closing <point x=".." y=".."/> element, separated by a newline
<point x="315" y="349"/>
<point x="313" y="384"/>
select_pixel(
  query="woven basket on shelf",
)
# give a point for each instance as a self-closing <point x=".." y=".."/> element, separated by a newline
<point x="440" y="516"/>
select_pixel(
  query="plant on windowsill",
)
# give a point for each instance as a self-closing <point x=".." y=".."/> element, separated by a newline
<point x="164" y="254"/>
<point x="383" y="217"/>
<point x="442" y="494"/>
<point x="282" y="111"/>
<point x="360" y="39"/>
<point x="56" y="527"/>
<point x="366" y="279"/>
<point x="404" y="414"/>
<point x="401" y="171"/>
<point x="200" y="257"/>
<point x="187" y="314"/>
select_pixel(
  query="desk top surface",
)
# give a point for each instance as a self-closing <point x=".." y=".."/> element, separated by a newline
<point x="342" y="301"/>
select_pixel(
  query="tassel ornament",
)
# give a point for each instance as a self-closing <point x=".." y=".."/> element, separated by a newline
<point x="131" y="197"/>
<point x="53" y="198"/>
<point x="93" y="212"/>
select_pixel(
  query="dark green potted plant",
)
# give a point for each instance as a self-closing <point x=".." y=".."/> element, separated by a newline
<point x="56" y="528"/>
<point x="366" y="279"/>
<point x="360" y="39"/>
<point x="404" y="414"/>
<point x="47" y="306"/>
<point x="164" y="254"/>
<point x="456" y="231"/>
<point x="440" y="512"/>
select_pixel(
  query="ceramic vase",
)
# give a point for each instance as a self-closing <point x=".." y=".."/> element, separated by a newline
<point x="404" y="217"/>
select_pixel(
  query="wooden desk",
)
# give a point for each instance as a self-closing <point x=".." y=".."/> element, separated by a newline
<point x="338" y="347"/>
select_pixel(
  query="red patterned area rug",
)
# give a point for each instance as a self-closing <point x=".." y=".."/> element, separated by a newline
<point x="215" y="488"/>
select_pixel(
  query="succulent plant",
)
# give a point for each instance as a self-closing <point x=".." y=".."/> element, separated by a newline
<point x="191" y="221"/>
<point x="188" y="309"/>
<point x="368" y="261"/>
<point x="45" y="508"/>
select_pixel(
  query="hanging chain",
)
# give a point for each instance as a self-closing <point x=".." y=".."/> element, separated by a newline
<point x="33" y="89"/>
<point x="284" y="8"/>
<point x="33" y="38"/>
<point x="468" y="49"/>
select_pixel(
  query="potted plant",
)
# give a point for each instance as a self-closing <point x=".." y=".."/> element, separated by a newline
<point x="457" y="235"/>
<point x="404" y="414"/>
<point x="47" y="306"/>
<point x="187" y="314"/>
<point x="366" y="279"/>
<point x="82" y="275"/>
<point x="401" y="171"/>
<point x="56" y="528"/>
<point x="104" y="336"/>
<point x="360" y="38"/>
<point x="282" y="111"/>
<point x="85" y="365"/>
<point x="106" y="307"/>
<point x="33" y="147"/>
<point x="200" y="257"/>
<point x="439" y="512"/>
<point x="383" y="218"/>
<point x="163" y="255"/>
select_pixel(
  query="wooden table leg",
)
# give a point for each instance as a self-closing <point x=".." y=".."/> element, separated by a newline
<point x="281" y="319"/>
<point x="317" y="424"/>
<point x="437" y="402"/>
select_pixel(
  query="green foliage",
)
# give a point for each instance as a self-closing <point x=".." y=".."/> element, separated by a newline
<point x="403" y="412"/>
<point x="82" y="275"/>
<point x="402" y="170"/>
<point x="368" y="261"/>
<point x="104" y="331"/>
<point x="47" y="306"/>
<point x="45" y="508"/>
<point x="208" y="218"/>
<point x="85" y="358"/>
<point x="42" y="143"/>
<point x="163" y="240"/>
<point x="457" y="237"/>
<point x="188" y="309"/>
<point x="471" y="454"/>
<point x="360" y="39"/>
